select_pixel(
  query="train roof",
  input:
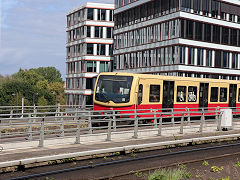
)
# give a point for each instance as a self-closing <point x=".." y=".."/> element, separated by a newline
<point x="179" y="78"/>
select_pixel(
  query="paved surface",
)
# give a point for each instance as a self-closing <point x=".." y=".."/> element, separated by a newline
<point x="21" y="150"/>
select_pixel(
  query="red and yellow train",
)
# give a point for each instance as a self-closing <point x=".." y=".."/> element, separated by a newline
<point x="128" y="91"/>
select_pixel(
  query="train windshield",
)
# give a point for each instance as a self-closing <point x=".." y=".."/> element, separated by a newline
<point x="113" y="88"/>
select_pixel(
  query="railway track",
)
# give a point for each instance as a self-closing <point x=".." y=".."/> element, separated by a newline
<point x="87" y="168"/>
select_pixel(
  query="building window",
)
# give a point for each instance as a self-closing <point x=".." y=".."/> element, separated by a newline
<point x="215" y="8"/>
<point x="90" y="13"/>
<point x="98" y="32"/>
<point x="104" y="66"/>
<point x="226" y="59"/>
<point x="234" y="60"/>
<point x="209" y="58"/>
<point x="198" y="31"/>
<point x="90" y="49"/>
<point x="207" y="32"/>
<point x="205" y="4"/>
<point x="189" y="29"/>
<point x="111" y="15"/>
<point x="191" y="56"/>
<point x="91" y="66"/>
<point x="197" y="6"/>
<point x="185" y="5"/>
<point x="88" y="31"/>
<point x="216" y="34"/>
<point x="225" y="35"/>
<point x="102" y="14"/>
<point x="89" y="83"/>
<point x="200" y="57"/>
<point x="218" y="59"/>
<point x="154" y="95"/>
<point x="101" y="50"/>
<point x="233" y="39"/>
<point x="109" y="32"/>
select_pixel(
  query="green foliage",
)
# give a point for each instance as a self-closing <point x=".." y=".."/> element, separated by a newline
<point x="217" y="169"/>
<point x="42" y="86"/>
<point x="237" y="164"/>
<point x="51" y="74"/>
<point x="226" y="178"/>
<point x="205" y="163"/>
<point x="174" y="174"/>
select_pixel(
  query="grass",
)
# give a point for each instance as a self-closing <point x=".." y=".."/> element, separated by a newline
<point x="167" y="174"/>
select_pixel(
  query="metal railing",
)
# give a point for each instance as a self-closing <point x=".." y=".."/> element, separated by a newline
<point x="35" y="124"/>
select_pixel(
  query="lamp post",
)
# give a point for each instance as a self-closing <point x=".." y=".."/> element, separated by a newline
<point x="35" y="94"/>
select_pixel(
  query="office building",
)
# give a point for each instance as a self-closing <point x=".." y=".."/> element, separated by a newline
<point x="89" y="50"/>
<point x="192" y="38"/>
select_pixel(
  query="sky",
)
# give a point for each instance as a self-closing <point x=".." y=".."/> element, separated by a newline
<point x="33" y="33"/>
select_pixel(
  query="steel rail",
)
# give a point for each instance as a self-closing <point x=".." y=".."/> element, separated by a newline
<point x="121" y="161"/>
<point x="165" y="166"/>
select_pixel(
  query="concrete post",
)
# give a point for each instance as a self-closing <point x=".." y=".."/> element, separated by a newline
<point x="109" y="130"/>
<point x="90" y="130"/>
<point x="172" y="119"/>
<point x="155" y="119"/>
<point x="61" y="126"/>
<point x="78" y="132"/>
<point x="135" y="126"/>
<point x="114" y="121"/>
<point x="181" y="127"/>
<point x="201" y="123"/>
<point x="160" y="126"/>
<point x="29" y="127"/>
<point x="41" y="141"/>
<point x="189" y="119"/>
<point x="218" y="122"/>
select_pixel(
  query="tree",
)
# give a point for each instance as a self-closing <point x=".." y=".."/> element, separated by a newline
<point x="42" y="101"/>
<point x="51" y="74"/>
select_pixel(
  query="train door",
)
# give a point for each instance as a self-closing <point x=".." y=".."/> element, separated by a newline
<point x="168" y="94"/>
<point x="203" y="95"/>
<point x="232" y="95"/>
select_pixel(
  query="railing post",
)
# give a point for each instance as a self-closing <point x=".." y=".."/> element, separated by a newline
<point x="218" y="121"/>
<point x="109" y="130"/>
<point x="155" y="119"/>
<point x="11" y="116"/>
<point x="203" y="116"/>
<point x="172" y="119"/>
<point x="201" y="123"/>
<point x="61" y="126"/>
<point x="160" y="126"/>
<point x="114" y="121"/>
<point x="189" y="119"/>
<point x="29" y="127"/>
<point x="181" y="127"/>
<point x="34" y="113"/>
<point x="41" y="134"/>
<point x="135" y="126"/>
<point x="90" y="130"/>
<point x="78" y="132"/>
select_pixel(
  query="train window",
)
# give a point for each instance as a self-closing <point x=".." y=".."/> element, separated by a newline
<point x="238" y="94"/>
<point x="154" y="95"/>
<point x="223" y="94"/>
<point x="181" y="94"/>
<point x="140" y="93"/>
<point x="192" y="93"/>
<point x="214" y="94"/>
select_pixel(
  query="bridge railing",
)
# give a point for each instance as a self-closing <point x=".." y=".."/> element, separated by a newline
<point x="40" y="125"/>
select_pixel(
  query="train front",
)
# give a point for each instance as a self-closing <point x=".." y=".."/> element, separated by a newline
<point x="114" y="91"/>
